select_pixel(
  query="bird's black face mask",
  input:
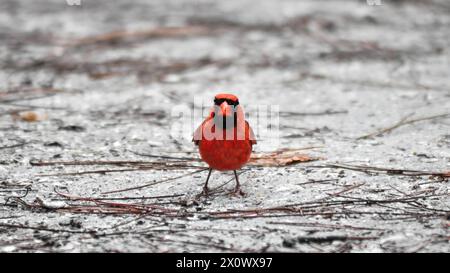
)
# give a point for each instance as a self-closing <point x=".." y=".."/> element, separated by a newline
<point x="225" y="121"/>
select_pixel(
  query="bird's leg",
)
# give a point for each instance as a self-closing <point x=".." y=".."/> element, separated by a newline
<point x="237" y="189"/>
<point x="205" y="187"/>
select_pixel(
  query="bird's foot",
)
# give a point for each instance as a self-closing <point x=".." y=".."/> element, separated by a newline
<point x="237" y="192"/>
<point x="205" y="191"/>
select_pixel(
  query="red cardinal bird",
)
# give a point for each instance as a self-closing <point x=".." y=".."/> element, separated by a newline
<point x="225" y="139"/>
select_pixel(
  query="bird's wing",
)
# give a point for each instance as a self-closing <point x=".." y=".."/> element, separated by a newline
<point x="198" y="133"/>
<point x="251" y="137"/>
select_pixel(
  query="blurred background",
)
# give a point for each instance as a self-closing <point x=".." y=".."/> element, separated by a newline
<point x="348" y="64"/>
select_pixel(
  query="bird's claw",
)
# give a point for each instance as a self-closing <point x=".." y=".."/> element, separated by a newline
<point x="238" y="193"/>
<point x="205" y="191"/>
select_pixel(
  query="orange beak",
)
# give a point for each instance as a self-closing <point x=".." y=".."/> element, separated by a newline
<point x="226" y="109"/>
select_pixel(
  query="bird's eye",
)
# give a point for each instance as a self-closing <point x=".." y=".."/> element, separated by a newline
<point x="232" y="102"/>
<point x="218" y="102"/>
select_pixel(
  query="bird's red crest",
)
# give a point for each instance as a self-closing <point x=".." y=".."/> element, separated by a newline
<point x="226" y="96"/>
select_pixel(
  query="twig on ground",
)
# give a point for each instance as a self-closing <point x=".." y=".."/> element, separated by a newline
<point x="389" y="171"/>
<point x="117" y="36"/>
<point x="347" y="189"/>
<point x="101" y="162"/>
<point x="128" y="198"/>
<point x="324" y="225"/>
<point x="155" y="183"/>
<point x="324" y="113"/>
<point x="323" y="181"/>
<point x="330" y="239"/>
<point x="19" y="226"/>
<point x="166" y="157"/>
<point x="14" y="145"/>
<point x="404" y="121"/>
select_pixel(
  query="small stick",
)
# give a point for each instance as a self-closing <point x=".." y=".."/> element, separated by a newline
<point x="163" y="32"/>
<point x="327" y="239"/>
<point x="155" y="183"/>
<point x="97" y="162"/>
<point x="327" y="112"/>
<point x="166" y="157"/>
<point x="390" y="171"/>
<point x="347" y="189"/>
<point x="323" y="225"/>
<point x="127" y="198"/>
<point x="324" y="181"/>
<point x="195" y="243"/>
<point x="94" y="172"/>
<point x="28" y="106"/>
<point x="402" y="122"/>
<point x="14" y="145"/>
<point x="45" y="229"/>
<point x="8" y="101"/>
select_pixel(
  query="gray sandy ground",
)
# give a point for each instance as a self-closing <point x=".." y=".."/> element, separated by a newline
<point x="346" y="68"/>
